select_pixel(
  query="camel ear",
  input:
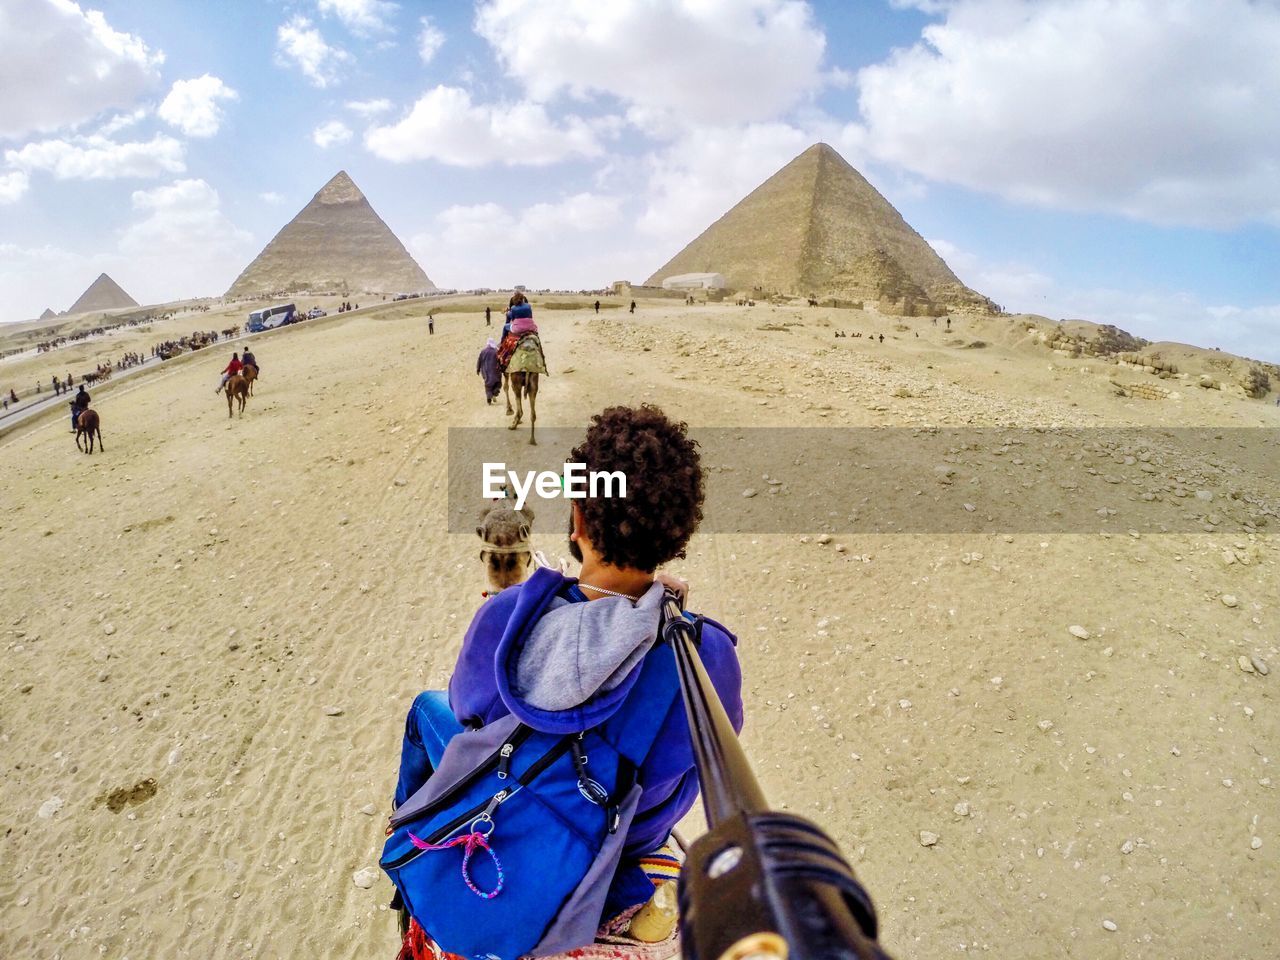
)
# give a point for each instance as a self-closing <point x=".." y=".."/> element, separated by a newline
<point x="528" y="513"/>
<point x="480" y="532"/>
<point x="524" y="531"/>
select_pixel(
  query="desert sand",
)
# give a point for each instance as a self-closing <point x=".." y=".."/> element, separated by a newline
<point x="212" y="633"/>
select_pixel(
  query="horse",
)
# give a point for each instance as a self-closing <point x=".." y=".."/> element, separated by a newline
<point x="250" y="374"/>
<point x="87" y="424"/>
<point x="238" y="387"/>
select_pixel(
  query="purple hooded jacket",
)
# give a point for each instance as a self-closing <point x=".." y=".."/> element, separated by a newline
<point x="542" y="627"/>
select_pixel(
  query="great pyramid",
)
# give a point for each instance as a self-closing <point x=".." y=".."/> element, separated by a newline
<point x="336" y="242"/>
<point x="818" y="228"/>
<point x="103" y="294"/>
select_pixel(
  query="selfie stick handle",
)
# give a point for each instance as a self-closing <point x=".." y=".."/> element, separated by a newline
<point x="760" y="884"/>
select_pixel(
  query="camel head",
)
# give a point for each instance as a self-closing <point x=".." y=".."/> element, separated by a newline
<point x="506" y="551"/>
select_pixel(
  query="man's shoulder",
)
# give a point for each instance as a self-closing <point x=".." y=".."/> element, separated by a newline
<point x="713" y="631"/>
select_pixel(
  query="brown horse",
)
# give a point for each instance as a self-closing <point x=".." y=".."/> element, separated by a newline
<point x="525" y="384"/>
<point x="88" y="424"/>
<point x="250" y="374"/>
<point x="237" y="387"/>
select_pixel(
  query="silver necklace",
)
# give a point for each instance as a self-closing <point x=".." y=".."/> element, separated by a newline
<point x="609" y="593"/>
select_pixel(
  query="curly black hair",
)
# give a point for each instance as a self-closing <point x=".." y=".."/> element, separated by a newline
<point x="663" y="505"/>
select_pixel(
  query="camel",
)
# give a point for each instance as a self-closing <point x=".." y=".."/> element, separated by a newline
<point x="237" y="387"/>
<point x="525" y="384"/>
<point x="250" y="374"/>
<point x="87" y="424"/>
<point x="507" y="553"/>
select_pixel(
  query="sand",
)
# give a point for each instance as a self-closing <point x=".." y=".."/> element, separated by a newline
<point x="182" y="615"/>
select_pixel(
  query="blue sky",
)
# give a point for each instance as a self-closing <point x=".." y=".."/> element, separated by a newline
<point x="1116" y="160"/>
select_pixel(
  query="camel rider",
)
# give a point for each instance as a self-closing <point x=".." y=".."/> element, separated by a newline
<point x="233" y="368"/>
<point x="79" y="404"/>
<point x="519" y="326"/>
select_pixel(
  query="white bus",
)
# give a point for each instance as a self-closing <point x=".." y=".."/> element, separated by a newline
<point x="269" y="317"/>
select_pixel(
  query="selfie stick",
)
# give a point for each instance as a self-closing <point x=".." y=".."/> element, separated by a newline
<point x="759" y="885"/>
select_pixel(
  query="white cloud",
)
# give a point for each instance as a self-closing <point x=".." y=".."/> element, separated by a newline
<point x="361" y="17"/>
<point x="695" y="180"/>
<point x="430" y="40"/>
<point x="369" y="108"/>
<point x="330" y="133"/>
<point x="671" y="62"/>
<point x="271" y="197"/>
<point x="445" y="125"/>
<point x="98" y="158"/>
<point x="13" y="185"/>
<point x="183" y="244"/>
<point x="553" y="243"/>
<point x="193" y="105"/>
<point x="63" y="65"/>
<point x="300" y="44"/>
<point x="1154" y="110"/>
<point x="123" y="121"/>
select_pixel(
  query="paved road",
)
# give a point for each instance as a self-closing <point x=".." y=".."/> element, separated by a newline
<point x="29" y="407"/>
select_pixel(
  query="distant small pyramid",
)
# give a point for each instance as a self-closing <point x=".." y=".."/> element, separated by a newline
<point x="335" y="242"/>
<point x="103" y="294"/>
<point x="818" y="228"/>
<point x="48" y="314"/>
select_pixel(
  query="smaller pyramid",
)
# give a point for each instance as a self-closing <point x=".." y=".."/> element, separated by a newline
<point x="48" y="314"/>
<point x="103" y="294"/>
<point x="336" y="242"/>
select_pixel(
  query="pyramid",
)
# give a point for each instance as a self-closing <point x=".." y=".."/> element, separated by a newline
<point x="48" y="314"/>
<point x="818" y="228"/>
<point x="103" y="294"/>
<point x="336" y="242"/>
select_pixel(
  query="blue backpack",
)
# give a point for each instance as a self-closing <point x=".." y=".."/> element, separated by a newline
<point x="509" y="848"/>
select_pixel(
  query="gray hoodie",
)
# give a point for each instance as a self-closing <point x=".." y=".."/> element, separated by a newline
<point x="577" y="650"/>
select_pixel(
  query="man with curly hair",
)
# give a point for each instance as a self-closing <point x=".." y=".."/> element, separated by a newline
<point x="564" y="654"/>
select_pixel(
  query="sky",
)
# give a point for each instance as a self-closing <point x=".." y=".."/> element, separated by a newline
<point x="1111" y="160"/>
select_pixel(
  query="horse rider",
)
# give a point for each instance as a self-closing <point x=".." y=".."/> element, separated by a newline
<point x="79" y="404"/>
<point x="249" y="360"/>
<point x="233" y="368"/>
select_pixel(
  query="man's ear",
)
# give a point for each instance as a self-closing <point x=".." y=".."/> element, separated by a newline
<point x="576" y="529"/>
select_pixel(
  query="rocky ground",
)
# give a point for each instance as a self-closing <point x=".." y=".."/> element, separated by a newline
<point x="1029" y="743"/>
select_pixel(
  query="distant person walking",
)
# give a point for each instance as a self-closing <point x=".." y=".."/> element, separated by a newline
<point x="488" y="316"/>
<point x="487" y="367"/>
<point x="597" y="306"/>
<point x="633" y="306"/>
<point x="431" y="324"/>
<point x="948" y="323"/>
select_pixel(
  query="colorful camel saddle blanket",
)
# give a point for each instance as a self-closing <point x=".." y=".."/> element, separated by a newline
<point x="526" y="356"/>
